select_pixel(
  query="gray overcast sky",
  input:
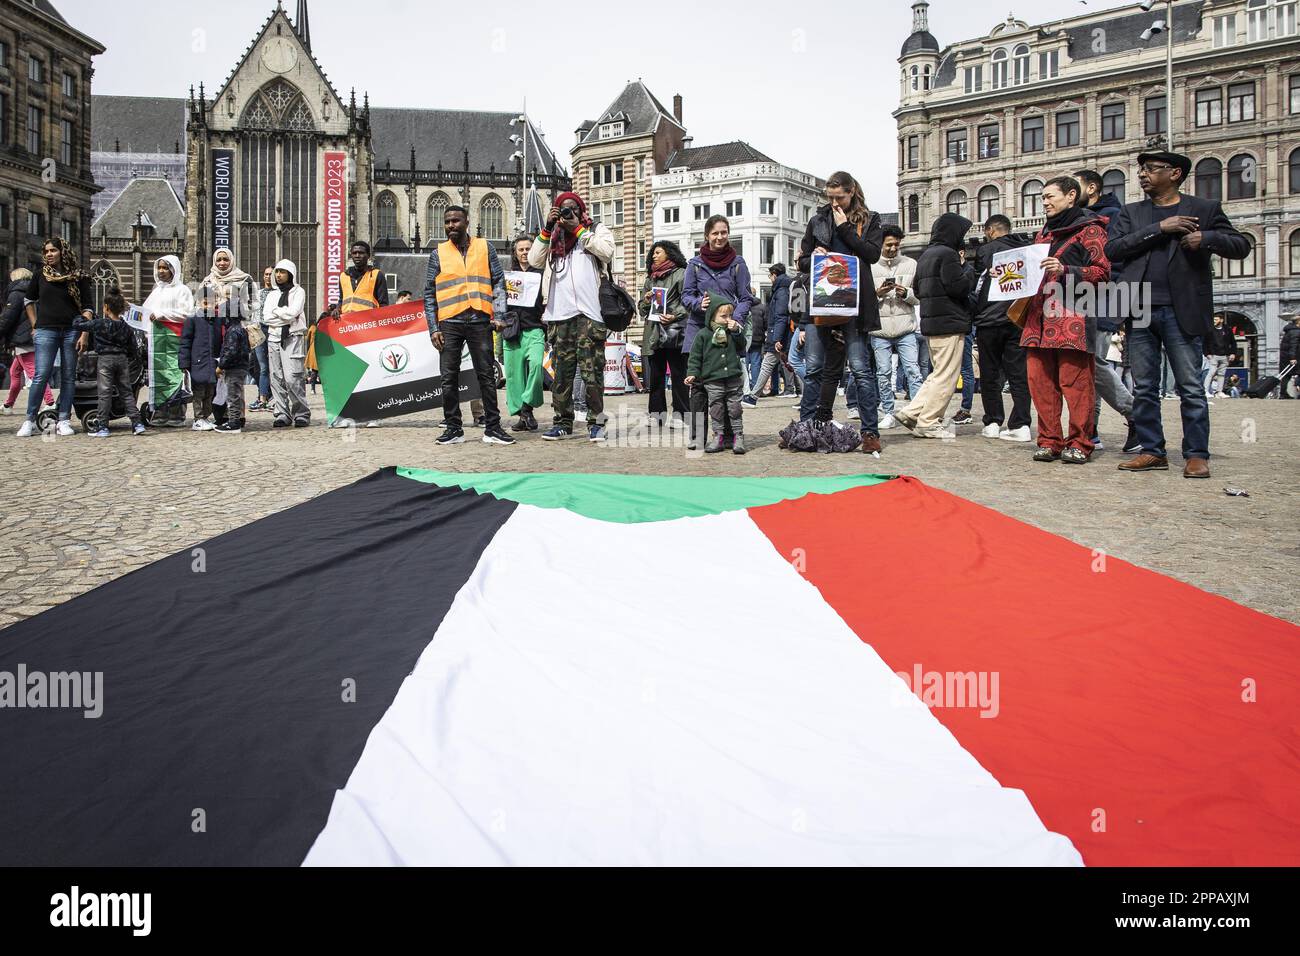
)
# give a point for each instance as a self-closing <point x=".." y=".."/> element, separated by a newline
<point x="738" y="66"/>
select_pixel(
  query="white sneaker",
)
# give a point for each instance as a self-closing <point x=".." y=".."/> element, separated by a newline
<point x="343" y="423"/>
<point x="992" y="431"/>
<point x="26" y="429"/>
<point x="888" y="421"/>
<point x="840" y="391"/>
<point x="372" y="424"/>
<point x="938" y="431"/>
<point x="797" y="405"/>
<point x="1020" y="434"/>
<point x="203" y="425"/>
<point x="64" y="429"/>
<point x="853" y="413"/>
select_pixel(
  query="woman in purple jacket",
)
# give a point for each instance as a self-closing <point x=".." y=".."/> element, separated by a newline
<point x="717" y="270"/>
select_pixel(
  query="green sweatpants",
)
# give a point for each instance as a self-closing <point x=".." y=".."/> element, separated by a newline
<point x="523" y="363"/>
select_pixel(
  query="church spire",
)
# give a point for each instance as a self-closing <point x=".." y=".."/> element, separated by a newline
<point x="302" y="26"/>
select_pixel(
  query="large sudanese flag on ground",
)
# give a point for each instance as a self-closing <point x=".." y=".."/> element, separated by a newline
<point x="429" y="668"/>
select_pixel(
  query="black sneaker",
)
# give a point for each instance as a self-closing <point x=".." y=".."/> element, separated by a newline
<point x="451" y="436"/>
<point x="962" y="417"/>
<point x="229" y="427"/>
<point x="1131" y="444"/>
<point x="557" y="433"/>
<point x="280" y="423"/>
<point x="301" y="422"/>
<point x="495" y="436"/>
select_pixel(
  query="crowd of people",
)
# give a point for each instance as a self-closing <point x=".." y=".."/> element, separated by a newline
<point x="711" y="346"/>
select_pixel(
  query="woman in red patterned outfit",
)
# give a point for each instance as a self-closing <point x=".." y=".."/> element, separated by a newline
<point x="1060" y="326"/>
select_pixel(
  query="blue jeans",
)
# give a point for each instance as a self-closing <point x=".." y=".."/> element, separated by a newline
<point x="968" y="371"/>
<point x="858" y="360"/>
<point x="263" y="370"/>
<point x="1183" y="353"/>
<point x="908" y="369"/>
<point x="797" y="356"/>
<point x="49" y="343"/>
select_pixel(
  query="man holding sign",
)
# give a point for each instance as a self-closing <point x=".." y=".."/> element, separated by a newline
<point x="464" y="292"/>
<point x="523" y="339"/>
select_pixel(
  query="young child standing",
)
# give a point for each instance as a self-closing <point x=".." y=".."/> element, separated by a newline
<point x="197" y="354"/>
<point x="232" y="368"/>
<point x="113" y="341"/>
<point x="715" y="363"/>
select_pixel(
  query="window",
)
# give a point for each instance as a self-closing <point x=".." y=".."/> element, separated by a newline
<point x="1157" y="116"/>
<point x="916" y="78"/>
<point x="610" y="130"/>
<point x="1257" y="21"/>
<point x="1114" y="183"/>
<point x="492" y="217"/>
<point x="4" y="119"/>
<point x="989" y="202"/>
<point x="1286" y="19"/>
<point x="738" y="243"/>
<point x="386" y="217"/>
<point x="606" y="174"/>
<point x="914" y="148"/>
<point x="790" y="258"/>
<point x="1209" y="107"/>
<point x="735" y="207"/>
<point x="1067" y="128"/>
<point x="68" y="231"/>
<point x="597" y="210"/>
<point x="702" y="211"/>
<point x="672" y="215"/>
<point x="36" y="223"/>
<point x="66" y="146"/>
<point x="767" y="207"/>
<point x="69" y="85"/>
<point x="956" y="146"/>
<point x="1241" y="102"/>
<point x="1031" y="134"/>
<point x="640" y="250"/>
<point x="4" y="222"/>
<point x="807" y="213"/>
<point x="34" y="130"/>
<point x="4" y="62"/>
<point x="618" y="213"/>
<point x="957" y="202"/>
<point x="640" y="164"/>
<point x="1294" y="172"/>
<point x="1031" y="199"/>
<point x="35" y="70"/>
<point x="1243" y="268"/>
<point x="990" y="137"/>
<point x="1048" y="65"/>
<point x="1294" y="90"/>
<point x="640" y="210"/>
<point x="1225" y="30"/>
<point x="1022" y="64"/>
<point x="913" y="213"/>
<point x="999" y="69"/>
<point x="435" y="230"/>
<point x="1209" y="179"/>
<point x="790" y="212"/>
<point x="1112" y="122"/>
<point x="1242" y="174"/>
<point x="767" y="249"/>
<point x="974" y="78"/>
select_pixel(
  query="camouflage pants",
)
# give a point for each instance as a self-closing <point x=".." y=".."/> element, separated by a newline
<point x="579" y="347"/>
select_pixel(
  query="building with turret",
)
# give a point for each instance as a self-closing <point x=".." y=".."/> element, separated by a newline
<point x="983" y="122"/>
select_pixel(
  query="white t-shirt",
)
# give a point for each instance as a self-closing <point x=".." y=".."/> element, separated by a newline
<point x="575" y="287"/>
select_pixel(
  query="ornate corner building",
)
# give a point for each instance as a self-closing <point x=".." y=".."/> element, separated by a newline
<point x="46" y="187"/>
<point x="984" y="122"/>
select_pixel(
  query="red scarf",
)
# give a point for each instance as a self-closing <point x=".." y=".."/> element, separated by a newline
<point x="658" y="272"/>
<point x="562" y="243"/>
<point x="717" y="260"/>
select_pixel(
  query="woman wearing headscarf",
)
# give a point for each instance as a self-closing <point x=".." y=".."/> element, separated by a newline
<point x="661" y="346"/>
<point x="170" y="299"/>
<point x="232" y="298"/>
<point x="285" y="318"/>
<point x="55" y="296"/>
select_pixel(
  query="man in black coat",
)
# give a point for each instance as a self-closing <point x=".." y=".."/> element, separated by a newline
<point x="1290" y="353"/>
<point x="943" y="287"/>
<point x="1000" y="356"/>
<point x="1163" y="246"/>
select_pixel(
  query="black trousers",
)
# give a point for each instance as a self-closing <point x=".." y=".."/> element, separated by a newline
<point x="1002" y="358"/>
<point x="659" y="362"/>
<point x="478" y="337"/>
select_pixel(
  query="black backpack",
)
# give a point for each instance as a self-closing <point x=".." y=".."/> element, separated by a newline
<point x="616" y="307"/>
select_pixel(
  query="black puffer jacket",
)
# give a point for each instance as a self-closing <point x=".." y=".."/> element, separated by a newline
<point x="1290" y="344"/>
<point x="15" y="330"/>
<point x="823" y="232"/>
<point x="942" y="285"/>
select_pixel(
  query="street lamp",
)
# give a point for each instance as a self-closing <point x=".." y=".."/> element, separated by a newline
<point x="521" y="139"/>
<point x="1165" y="26"/>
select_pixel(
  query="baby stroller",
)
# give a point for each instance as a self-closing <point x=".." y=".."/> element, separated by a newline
<point x="85" y="397"/>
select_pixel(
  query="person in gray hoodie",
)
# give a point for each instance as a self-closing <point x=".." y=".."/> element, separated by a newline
<point x="893" y="276"/>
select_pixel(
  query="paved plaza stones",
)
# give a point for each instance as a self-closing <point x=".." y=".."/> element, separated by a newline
<point x="80" y="511"/>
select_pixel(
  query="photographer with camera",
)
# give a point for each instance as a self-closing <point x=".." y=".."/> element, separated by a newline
<point x="573" y="252"/>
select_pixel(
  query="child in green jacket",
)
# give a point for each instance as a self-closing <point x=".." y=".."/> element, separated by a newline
<point x="715" y="364"/>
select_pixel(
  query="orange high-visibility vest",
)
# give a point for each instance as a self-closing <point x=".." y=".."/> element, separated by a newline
<point x="362" y="296"/>
<point x="464" y="282"/>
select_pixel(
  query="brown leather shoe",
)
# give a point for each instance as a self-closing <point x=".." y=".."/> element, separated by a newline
<point x="1145" y="463"/>
<point x="1196" y="468"/>
<point x="870" y="443"/>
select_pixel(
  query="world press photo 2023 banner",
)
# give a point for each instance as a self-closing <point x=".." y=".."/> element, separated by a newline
<point x="381" y="363"/>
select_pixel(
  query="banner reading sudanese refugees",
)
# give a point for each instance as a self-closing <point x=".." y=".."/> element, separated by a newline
<point x="381" y="363"/>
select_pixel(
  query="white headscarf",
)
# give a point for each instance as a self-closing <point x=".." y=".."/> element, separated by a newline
<point x="170" y="299"/>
